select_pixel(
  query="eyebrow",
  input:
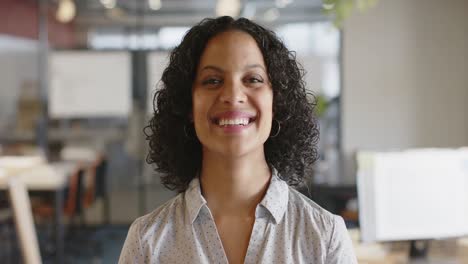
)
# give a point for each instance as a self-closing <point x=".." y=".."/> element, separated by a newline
<point x="218" y="69"/>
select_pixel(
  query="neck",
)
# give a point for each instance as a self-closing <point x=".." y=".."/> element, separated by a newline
<point x="234" y="186"/>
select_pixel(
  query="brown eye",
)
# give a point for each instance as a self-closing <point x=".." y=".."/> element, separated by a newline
<point x="211" y="81"/>
<point x="255" y="80"/>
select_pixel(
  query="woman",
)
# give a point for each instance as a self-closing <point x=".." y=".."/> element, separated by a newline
<point x="233" y="126"/>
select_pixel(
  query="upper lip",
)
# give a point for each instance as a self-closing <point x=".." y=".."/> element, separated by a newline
<point x="232" y="115"/>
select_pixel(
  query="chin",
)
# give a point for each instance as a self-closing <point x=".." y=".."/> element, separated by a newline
<point x="237" y="150"/>
<point x="232" y="151"/>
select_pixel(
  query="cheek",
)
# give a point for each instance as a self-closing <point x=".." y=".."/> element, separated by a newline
<point x="199" y="109"/>
<point x="266" y="108"/>
<point x="196" y="105"/>
<point x="267" y="105"/>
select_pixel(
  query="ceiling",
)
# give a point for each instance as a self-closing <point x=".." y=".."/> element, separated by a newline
<point x="135" y="16"/>
<point x="128" y="14"/>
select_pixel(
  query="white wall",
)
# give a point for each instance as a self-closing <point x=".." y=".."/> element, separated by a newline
<point x="405" y="77"/>
<point x="18" y="64"/>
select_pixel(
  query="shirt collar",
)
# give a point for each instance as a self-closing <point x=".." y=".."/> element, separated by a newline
<point x="194" y="200"/>
<point x="275" y="199"/>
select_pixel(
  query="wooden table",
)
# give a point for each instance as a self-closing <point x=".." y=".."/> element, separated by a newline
<point x="48" y="177"/>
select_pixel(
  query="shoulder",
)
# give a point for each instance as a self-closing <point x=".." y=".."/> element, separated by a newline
<point x="145" y="231"/>
<point x="161" y="217"/>
<point x="320" y="223"/>
<point x="325" y="226"/>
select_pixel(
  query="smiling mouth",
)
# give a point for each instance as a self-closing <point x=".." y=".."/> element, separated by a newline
<point x="226" y="122"/>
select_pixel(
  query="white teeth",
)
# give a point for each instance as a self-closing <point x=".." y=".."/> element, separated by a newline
<point x="230" y="122"/>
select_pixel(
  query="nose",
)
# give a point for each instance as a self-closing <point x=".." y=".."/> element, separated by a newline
<point x="232" y="92"/>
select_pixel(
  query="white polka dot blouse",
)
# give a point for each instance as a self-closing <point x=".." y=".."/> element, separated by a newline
<point x="288" y="228"/>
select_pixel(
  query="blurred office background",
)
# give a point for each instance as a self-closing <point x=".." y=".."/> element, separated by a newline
<point x="77" y="80"/>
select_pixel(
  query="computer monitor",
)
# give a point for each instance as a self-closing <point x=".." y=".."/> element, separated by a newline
<point x="418" y="194"/>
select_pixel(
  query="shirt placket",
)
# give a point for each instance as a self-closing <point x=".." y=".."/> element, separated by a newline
<point x="256" y="238"/>
<point x="215" y="245"/>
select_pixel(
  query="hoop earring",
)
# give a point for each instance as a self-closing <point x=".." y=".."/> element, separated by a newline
<point x="279" y="129"/>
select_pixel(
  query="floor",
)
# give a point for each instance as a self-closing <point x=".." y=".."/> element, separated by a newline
<point x="97" y="245"/>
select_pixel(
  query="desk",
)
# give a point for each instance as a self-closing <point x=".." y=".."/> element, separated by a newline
<point x="51" y="178"/>
<point x="445" y="251"/>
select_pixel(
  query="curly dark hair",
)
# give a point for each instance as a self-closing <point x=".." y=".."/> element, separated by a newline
<point x="176" y="150"/>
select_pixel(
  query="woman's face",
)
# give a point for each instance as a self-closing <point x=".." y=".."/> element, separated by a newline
<point x="232" y="96"/>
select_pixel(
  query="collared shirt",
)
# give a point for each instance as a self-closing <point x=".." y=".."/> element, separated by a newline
<point x="288" y="228"/>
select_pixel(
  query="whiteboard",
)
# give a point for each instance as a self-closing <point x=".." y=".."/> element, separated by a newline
<point x="86" y="84"/>
<point x="156" y="62"/>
